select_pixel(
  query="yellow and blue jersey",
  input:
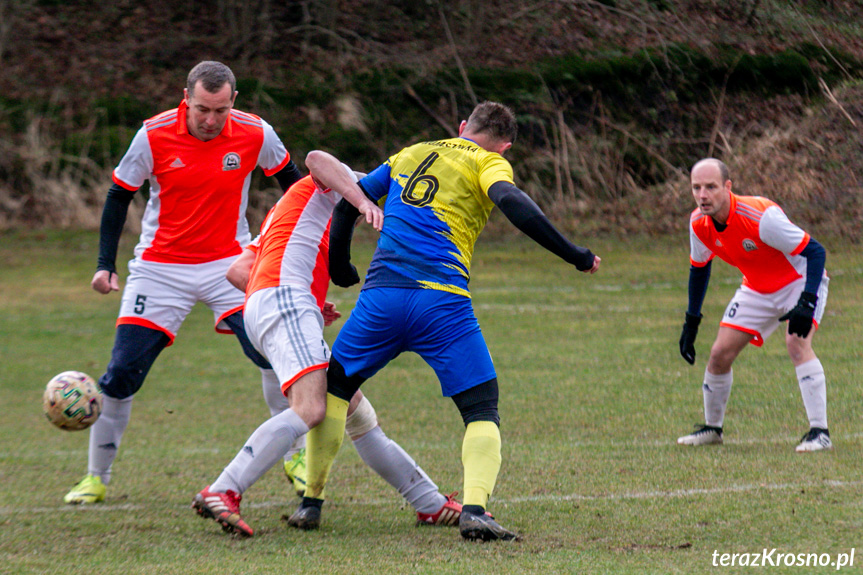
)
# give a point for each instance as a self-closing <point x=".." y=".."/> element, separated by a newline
<point x="435" y="206"/>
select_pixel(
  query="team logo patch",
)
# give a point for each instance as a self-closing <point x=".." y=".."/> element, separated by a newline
<point x="231" y="161"/>
<point x="749" y="245"/>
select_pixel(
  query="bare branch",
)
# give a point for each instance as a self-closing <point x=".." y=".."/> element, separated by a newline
<point x="458" y="61"/>
<point x="641" y="144"/>
<point x="444" y="124"/>
<point x="826" y="90"/>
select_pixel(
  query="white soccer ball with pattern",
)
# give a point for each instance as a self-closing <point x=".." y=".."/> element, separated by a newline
<point x="72" y="400"/>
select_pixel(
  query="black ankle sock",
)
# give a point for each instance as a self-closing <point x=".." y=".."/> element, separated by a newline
<point x="311" y="502"/>
<point x="475" y="509"/>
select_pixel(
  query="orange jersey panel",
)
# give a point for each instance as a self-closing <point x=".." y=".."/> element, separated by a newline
<point x="293" y="248"/>
<point x="758" y="240"/>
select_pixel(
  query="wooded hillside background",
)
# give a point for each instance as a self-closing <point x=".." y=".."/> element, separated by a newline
<point x="616" y="98"/>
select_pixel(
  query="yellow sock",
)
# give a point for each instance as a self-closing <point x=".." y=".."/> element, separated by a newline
<point x="322" y="445"/>
<point x="480" y="456"/>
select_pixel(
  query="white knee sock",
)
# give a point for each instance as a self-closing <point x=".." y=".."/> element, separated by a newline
<point x="716" y="390"/>
<point x="813" y="387"/>
<point x="106" y="434"/>
<point x="390" y="461"/>
<point x="277" y="402"/>
<point x="266" y="446"/>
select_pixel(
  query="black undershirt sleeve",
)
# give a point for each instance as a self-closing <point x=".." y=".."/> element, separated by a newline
<point x="113" y="219"/>
<point x="288" y="176"/>
<point x="816" y="257"/>
<point x="699" y="278"/>
<point x="527" y="217"/>
<point x="342" y="271"/>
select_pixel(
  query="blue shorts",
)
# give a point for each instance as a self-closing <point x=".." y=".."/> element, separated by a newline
<point x="440" y="326"/>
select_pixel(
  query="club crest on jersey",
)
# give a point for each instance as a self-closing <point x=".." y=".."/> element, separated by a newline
<point x="231" y="161"/>
<point x="749" y="245"/>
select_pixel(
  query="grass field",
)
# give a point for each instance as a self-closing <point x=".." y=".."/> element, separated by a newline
<point x="593" y="395"/>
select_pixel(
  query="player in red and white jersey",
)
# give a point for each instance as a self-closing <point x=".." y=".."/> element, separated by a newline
<point x="284" y="273"/>
<point x="198" y="159"/>
<point x="783" y="280"/>
<point x="294" y="243"/>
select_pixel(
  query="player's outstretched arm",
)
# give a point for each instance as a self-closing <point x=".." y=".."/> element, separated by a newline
<point x="329" y="173"/>
<point x="105" y="279"/>
<point x="527" y="217"/>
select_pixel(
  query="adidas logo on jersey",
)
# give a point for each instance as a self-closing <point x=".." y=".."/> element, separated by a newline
<point x="178" y="163"/>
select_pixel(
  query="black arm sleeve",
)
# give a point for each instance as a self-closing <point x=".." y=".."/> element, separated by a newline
<point x="342" y="272"/>
<point x="527" y="217"/>
<point x="816" y="257"/>
<point x="113" y="219"/>
<point x="288" y="176"/>
<point x="699" y="277"/>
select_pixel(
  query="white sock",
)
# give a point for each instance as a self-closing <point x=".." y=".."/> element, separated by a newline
<point x="390" y="461"/>
<point x="716" y="390"/>
<point x="813" y="387"/>
<point x="266" y="446"/>
<point x="277" y="402"/>
<point x="106" y="434"/>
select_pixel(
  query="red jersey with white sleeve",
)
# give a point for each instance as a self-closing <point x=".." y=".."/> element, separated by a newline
<point x="759" y="240"/>
<point x="293" y="247"/>
<point x="198" y="190"/>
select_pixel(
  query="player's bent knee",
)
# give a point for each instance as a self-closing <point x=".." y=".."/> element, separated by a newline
<point x="120" y="383"/>
<point x="311" y="412"/>
<point x="135" y="349"/>
<point x="362" y="420"/>
<point x="339" y="383"/>
<point x="720" y="360"/>
<point x="479" y="403"/>
<point x="799" y="350"/>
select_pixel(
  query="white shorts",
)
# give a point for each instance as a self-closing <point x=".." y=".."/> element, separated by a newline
<point x="286" y="326"/>
<point x="160" y="296"/>
<point x="758" y="314"/>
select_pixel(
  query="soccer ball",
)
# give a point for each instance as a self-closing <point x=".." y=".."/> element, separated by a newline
<point x="72" y="400"/>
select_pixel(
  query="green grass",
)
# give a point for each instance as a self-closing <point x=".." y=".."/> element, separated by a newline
<point x="593" y="395"/>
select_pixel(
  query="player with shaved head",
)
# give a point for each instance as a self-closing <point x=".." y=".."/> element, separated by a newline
<point x="783" y="280"/>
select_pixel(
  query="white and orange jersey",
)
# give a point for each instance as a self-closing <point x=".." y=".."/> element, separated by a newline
<point x="759" y="240"/>
<point x="198" y="190"/>
<point x="293" y="248"/>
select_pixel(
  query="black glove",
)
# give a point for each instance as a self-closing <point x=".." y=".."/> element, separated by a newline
<point x="687" y="337"/>
<point x="344" y="275"/>
<point x="800" y="317"/>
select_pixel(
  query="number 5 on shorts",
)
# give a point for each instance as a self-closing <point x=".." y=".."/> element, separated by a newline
<point x="140" y="303"/>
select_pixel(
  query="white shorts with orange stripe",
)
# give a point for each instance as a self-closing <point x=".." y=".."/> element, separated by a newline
<point x="160" y="296"/>
<point x="758" y="314"/>
<point x="285" y="325"/>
